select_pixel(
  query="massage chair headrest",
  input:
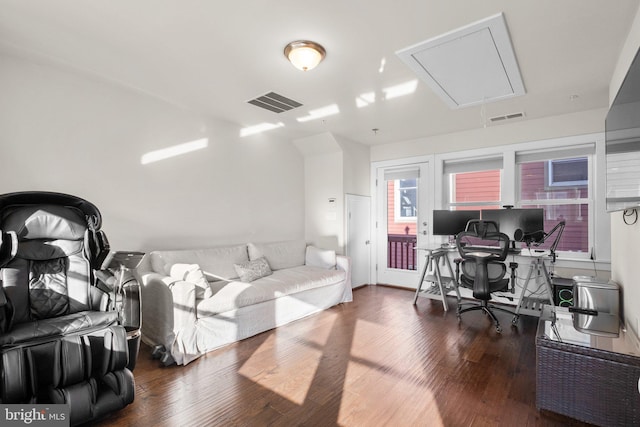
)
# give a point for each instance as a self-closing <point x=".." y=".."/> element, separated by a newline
<point x="45" y="222"/>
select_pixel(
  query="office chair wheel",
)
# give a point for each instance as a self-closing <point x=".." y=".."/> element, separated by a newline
<point x="514" y="321"/>
<point x="499" y="329"/>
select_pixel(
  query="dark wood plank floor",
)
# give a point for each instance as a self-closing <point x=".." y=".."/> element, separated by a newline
<point x="378" y="361"/>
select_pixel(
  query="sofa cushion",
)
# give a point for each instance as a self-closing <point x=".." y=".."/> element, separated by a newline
<point x="234" y="295"/>
<point x="252" y="270"/>
<point x="192" y="273"/>
<point x="279" y="255"/>
<point x="323" y="258"/>
<point x="216" y="263"/>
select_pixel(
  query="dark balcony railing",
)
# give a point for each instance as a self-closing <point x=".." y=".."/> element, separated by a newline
<point x="401" y="252"/>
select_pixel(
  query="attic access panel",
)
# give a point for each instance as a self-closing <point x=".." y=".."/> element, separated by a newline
<point x="469" y="66"/>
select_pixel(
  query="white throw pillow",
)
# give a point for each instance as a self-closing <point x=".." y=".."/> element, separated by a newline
<point x="192" y="273"/>
<point x="323" y="258"/>
<point x="253" y="270"/>
<point x="279" y="254"/>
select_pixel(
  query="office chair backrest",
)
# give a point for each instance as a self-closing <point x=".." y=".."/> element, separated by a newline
<point x="483" y="236"/>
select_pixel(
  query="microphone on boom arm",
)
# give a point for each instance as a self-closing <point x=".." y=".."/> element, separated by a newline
<point x="536" y="236"/>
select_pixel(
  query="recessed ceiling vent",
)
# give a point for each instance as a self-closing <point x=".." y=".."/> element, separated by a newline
<point x="469" y="66"/>
<point x="274" y="102"/>
<point x="506" y="117"/>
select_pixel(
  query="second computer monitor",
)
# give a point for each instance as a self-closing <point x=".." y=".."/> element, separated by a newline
<point x="530" y="222"/>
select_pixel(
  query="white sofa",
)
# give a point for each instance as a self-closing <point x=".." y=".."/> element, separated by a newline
<point x="194" y="301"/>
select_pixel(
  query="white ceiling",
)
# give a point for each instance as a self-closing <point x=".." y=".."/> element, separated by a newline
<point x="212" y="56"/>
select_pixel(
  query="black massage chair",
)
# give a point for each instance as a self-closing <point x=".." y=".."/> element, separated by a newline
<point x="62" y="329"/>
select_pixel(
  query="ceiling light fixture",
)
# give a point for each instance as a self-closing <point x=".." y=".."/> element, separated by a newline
<point x="304" y="55"/>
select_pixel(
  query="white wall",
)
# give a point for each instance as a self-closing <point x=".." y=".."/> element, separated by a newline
<point x="625" y="239"/>
<point x="333" y="167"/>
<point x="66" y="131"/>
<point x="519" y="131"/>
<point x="356" y="165"/>
<point x="325" y="201"/>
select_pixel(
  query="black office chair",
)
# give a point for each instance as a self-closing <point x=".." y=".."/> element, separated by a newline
<point x="483" y="249"/>
<point x="61" y="341"/>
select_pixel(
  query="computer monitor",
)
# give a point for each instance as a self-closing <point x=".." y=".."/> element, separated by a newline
<point x="518" y="224"/>
<point x="450" y="223"/>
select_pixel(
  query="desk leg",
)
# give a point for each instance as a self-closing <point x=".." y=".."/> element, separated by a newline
<point x="537" y="265"/>
<point x="548" y="283"/>
<point x="443" y="294"/>
<point x="454" y="278"/>
<point x="524" y="289"/>
<point x="427" y="265"/>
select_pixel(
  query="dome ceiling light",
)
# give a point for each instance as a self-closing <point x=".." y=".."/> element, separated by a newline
<point x="304" y="55"/>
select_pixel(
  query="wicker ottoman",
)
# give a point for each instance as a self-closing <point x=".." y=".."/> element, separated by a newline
<point x="586" y="383"/>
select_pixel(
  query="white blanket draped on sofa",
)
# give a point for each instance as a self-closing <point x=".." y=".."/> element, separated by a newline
<point x="194" y="301"/>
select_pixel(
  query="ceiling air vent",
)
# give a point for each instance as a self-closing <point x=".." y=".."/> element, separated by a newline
<point x="274" y="102"/>
<point x="506" y="117"/>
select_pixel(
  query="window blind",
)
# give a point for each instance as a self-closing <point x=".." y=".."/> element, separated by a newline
<point x="475" y="165"/>
<point x="558" y="153"/>
<point x="407" y="172"/>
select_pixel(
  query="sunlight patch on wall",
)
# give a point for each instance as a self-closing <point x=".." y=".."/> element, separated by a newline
<point x="319" y="113"/>
<point x="173" y="151"/>
<point x="259" y="128"/>
<point x="402" y="89"/>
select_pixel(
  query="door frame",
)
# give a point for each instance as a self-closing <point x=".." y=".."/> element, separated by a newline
<point x="427" y="197"/>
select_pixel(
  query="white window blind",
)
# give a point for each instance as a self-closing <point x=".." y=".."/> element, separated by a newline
<point x="409" y="172"/>
<point x="553" y="154"/>
<point x="475" y="165"/>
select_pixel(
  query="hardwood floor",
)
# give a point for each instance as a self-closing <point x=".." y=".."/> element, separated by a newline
<point x="378" y="361"/>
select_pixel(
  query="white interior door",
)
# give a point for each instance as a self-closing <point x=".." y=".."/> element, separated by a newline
<point x="403" y="201"/>
<point x="358" y="245"/>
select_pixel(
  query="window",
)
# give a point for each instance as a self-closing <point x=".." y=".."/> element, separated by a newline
<point x="560" y="186"/>
<point x="473" y="184"/>
<point x="556" y="175"/>
<point x="406" y="202"/>
<point x="568" y="172"/>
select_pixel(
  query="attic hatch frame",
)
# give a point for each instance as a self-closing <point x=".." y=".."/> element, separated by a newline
<point x="471" y="65"/>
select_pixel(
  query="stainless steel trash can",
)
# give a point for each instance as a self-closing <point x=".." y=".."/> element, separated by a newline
<point x="596" y="306"/>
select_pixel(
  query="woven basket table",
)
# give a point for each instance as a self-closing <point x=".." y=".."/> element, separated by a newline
<point x="586" y="383"/>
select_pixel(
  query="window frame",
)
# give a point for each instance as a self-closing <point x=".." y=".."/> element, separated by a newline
<point x="600" y="223"/>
